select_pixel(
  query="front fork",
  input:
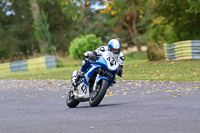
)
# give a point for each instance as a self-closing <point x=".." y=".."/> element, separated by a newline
<point x="95" y="83"/>
<point x="98" y="78"/>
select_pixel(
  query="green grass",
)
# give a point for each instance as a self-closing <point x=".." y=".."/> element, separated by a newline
<point x="58" y="73"/>
<point x="136" y="67"/>
<point x="171" y="71"/>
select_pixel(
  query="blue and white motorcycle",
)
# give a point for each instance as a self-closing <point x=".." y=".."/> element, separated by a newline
<point x="97" y="79"/>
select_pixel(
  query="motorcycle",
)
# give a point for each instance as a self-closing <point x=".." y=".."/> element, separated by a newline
<point x="97" y="79"/>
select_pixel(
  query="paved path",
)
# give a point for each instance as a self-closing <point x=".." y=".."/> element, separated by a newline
<point x="38" y="106"/>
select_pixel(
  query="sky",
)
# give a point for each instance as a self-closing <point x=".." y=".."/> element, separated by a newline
<point x="97" y="6"/>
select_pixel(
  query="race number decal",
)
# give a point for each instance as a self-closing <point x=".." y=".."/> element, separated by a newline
<point x="122" y="58"/>
<point x="102" y="49"/>
<point x="112" y="61"/>
<point x="84" y="88"/>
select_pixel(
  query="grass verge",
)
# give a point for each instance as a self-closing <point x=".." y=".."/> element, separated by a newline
<point x="136" y="67"/>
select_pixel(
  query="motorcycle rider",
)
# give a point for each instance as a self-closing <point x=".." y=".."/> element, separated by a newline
<point x="114" y="50"/>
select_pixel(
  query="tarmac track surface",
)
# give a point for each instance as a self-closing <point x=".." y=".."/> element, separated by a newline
<point x="39" y="106"/>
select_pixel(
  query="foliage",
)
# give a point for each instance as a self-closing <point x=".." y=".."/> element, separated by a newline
<point x="155" y="52"/>
<point x="8" y="50"/>
<point x="140" y="22"/>
<point x="194" y="6"/>
<point x="72" y="19"/>
<point x="60" y="63"/>
<point x="82" y="44"/>
<point x="159" y="35"/>
<point x="96" y="23"/>
<point x="179" y="14"/>
<point x="60" y="25"/>
<point x="172" y="21"/>
<point x="16" y="34"/>
<point x="42" y="33"/>
<point x="131" y="20"/>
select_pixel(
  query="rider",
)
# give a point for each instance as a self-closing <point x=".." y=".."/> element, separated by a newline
<point x="114" y="49"/>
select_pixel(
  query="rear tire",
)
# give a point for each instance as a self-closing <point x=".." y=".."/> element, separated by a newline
<point x="97" y="96"/>
<point x="71" y="101"/>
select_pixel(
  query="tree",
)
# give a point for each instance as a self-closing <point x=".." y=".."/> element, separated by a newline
<point x="193" y="6"/>
<point x="16" y="29"/>
<point x="172" y="21"/>
<point x="63" y="18"/>
<point x="41" y="28"/>
<point x="125" y="16"/>
<point x="183" y="16"/>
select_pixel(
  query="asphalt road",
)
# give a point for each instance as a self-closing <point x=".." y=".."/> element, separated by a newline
<point x="38" y="106"/>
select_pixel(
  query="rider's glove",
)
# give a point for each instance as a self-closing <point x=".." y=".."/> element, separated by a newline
<point x="89" y="55"/>
<point x="120" y="73"/>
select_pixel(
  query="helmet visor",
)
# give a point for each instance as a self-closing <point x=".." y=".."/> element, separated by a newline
<point x="116" y="51"/>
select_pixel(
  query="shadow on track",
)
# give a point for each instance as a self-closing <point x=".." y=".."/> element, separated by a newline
<point x="100" y="106"/>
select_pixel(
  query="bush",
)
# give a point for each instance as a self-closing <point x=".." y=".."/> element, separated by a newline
<point x="60" y="63"/>
<point x="82" y="44"/>
<point x="155" y="52"/>
<point x="159" y="35"/>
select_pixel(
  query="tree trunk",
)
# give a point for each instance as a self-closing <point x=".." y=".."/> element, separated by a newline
<point x="36" y="17"/>
<point x="61" y="31"/>
<point x="135" y="40"/>
<point x="135" y="37"/>
<point x="35" y="11"/>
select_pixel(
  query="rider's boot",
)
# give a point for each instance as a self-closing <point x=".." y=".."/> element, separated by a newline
<point x="74" y="77"/>
<point x="79" y="76"/>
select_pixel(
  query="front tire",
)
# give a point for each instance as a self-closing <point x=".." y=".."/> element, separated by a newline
<point x="97" y="96"/>
<point x="71" y="101"/>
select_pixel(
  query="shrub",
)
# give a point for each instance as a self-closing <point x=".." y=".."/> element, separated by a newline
<point x="82" y="44"/>
<point x="155" y="52"/>
<point x="159" y="35"/>
<point x="60" y="63"/>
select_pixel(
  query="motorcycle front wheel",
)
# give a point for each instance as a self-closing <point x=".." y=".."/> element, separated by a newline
<point x="97" y="96"/>
<point x="71" y="101"/>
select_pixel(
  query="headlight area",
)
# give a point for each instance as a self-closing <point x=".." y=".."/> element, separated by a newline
<point x="105" y="73"/>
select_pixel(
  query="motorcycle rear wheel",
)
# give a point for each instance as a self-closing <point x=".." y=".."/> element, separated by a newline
<point x="97" y="96"/>
<point x="71" y="101"/>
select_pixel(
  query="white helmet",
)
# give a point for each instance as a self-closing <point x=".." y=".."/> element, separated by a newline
<point x="114" y="44"/>
<point x="115" y="47"/>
